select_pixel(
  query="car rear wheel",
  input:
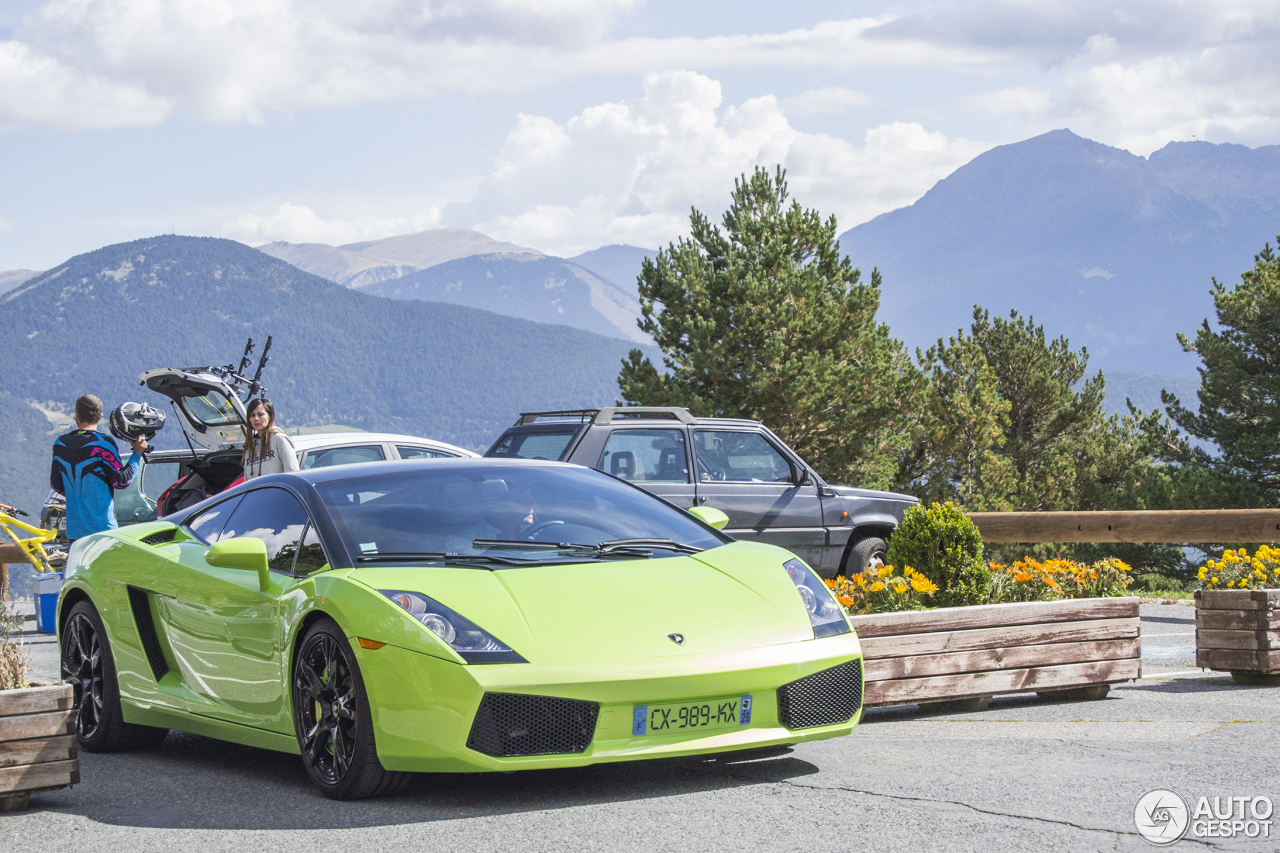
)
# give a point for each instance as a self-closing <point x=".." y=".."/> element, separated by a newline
<point x="88" y="665"/>
<point x="332" y="719"/>
<point x="870" y="552"/>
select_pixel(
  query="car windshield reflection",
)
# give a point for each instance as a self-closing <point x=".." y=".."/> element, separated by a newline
<point x="517" y="513"/>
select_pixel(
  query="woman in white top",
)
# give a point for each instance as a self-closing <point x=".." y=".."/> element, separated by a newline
<point x="267" y="450"/>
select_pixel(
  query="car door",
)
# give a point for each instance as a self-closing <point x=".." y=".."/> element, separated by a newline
<point x="743" y="473"/>
<point x="655" y="459"/>
<point x="225" y="632"/>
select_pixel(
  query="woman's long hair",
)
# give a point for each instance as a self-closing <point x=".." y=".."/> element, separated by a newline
<point x="257" y="443"/>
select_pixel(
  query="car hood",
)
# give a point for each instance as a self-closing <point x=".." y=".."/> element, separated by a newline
<point x="736" y="596"/>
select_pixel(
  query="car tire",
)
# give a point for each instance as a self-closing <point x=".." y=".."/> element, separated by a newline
<point x="868" y="552"/>
<point x="332" y="720"/>
<point x="88" y="664"/>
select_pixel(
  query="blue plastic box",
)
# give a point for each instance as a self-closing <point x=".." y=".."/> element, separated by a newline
<point x="47" y="587"/>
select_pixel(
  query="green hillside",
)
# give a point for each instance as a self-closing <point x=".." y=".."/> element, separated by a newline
<point x="340" y="356"/>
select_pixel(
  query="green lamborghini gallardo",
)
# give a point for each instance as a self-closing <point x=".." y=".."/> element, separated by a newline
<point x="450" y="615"/>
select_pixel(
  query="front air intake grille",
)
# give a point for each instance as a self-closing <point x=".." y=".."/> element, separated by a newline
<point x="160" y="537"/>
<point x="509" y="724"/>
<point x="823" y="699"/>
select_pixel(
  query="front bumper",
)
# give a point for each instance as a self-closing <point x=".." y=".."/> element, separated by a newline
<point x="423" y="707"/>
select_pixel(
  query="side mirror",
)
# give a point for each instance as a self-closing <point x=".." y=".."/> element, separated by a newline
<point x="802" y="477"/>
<point x="242" y="552"/>
<point x="710" y="515"/>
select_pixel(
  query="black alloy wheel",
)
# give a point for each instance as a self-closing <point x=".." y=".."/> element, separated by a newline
<point x="331" y="717"/>
<point x="87" y="665"/>
<point x="82" y="666"/>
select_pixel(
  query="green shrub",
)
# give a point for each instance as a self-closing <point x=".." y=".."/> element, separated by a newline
<point x="943" y="544"/>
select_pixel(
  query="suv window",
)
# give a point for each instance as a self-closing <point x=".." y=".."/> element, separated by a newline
<point x="533" y="445"/>
<point x="411" y="452"/>
<point x="646" y="456"/>
<point x="738" y="457"/>
<point x="343" y="456"/>
<point x="275" y="517"/>
<point x="208" y="524"/>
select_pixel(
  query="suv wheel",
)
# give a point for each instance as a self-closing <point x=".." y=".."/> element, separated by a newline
<point x="870" y="552"/>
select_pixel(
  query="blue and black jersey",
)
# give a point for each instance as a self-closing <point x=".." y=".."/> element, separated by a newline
<point x="87" y="468"/>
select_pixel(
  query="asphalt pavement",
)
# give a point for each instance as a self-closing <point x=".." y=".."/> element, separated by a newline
<point x="1025" y="774"/>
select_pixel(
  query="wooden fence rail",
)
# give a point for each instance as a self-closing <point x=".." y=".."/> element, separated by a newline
<point x="1191" y="525"/>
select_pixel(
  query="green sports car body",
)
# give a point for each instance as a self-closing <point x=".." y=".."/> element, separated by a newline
<point x="450" y="615"/>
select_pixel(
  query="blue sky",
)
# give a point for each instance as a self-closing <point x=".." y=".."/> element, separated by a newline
<point x="569" y="124"/>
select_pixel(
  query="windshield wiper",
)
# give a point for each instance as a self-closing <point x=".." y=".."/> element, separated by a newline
<point x="484" y="559"/>
<point x="615" y="547"/>
<point x="641" y="542"/>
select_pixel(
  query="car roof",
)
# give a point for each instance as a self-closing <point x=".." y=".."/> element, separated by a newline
<point x="628" y="421"/>
<point x="344" y="439"/>
<point x="372" y="469"/>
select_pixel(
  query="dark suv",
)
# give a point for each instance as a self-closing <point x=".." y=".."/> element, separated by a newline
<point x="769" y="493"/>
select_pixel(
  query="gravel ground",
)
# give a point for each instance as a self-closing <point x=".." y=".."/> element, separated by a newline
<point x="1025" y="774"/>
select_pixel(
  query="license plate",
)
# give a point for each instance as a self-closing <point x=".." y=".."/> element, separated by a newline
<point x="730" y="712"/>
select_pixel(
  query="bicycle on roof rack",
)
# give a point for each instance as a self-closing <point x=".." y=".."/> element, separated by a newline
<point x="33" y="545"/>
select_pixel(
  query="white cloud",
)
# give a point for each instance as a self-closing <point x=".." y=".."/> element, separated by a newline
<point x="628" y="172"/>
<point x="297" y="223"/>
<point x="829" y="99"/>
<point x="241" y="60"/>
<point x="38" y="90"/>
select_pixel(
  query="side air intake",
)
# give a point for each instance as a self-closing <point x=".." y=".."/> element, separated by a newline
<point x="160" y="537"/>
<point x="140" y="604"/>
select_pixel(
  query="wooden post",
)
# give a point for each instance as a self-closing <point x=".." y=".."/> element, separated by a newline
<point x="1197" y="525"/>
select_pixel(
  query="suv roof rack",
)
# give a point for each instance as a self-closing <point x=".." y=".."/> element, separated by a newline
<point x="608" y="413"/>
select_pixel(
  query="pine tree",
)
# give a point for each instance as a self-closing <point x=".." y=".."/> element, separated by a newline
<point x="1239" y="397"/>
<point x="766" y="320"/>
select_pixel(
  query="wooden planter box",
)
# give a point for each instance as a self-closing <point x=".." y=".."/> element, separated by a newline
<point x="1238" y="631"/>
<point x="974" y="653"/>
<point x="37" y="743"/>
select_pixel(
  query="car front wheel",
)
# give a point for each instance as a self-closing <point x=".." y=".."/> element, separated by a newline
<point x="332" y="719"/>
<point x="870" y="552"/>
<point x="87" y="664"/>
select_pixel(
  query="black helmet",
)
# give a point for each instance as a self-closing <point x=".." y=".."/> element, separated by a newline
<point x="132" y="421"/>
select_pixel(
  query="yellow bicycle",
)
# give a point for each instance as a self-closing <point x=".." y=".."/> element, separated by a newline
<point x="32" y="546"/>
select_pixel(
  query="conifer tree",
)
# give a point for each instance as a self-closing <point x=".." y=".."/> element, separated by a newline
<point x="766" y="319"/>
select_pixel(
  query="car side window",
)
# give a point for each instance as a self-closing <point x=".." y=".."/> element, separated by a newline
<point x="411" y="452"/>
<point x="311" y="556"/>
<point x="646" y="456"/>
<point x="343" y="456"/>
<point x="275" y="517"/>
<point x="738" y="457"/>
<point x="209" y="524"/>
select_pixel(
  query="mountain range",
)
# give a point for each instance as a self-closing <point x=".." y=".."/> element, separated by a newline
<point x="466" y="267"/>
<point x="1113" y="250"/>
<point x="451" y="372"/>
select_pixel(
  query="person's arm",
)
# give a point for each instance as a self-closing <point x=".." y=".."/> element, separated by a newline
<point x="55" y="474"/>
<point x="285" y="452"/>
<point x="121" y="475"/>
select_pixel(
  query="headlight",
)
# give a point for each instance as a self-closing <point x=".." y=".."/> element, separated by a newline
<point x="824" y="612"/>
<point x="465" y="637"/>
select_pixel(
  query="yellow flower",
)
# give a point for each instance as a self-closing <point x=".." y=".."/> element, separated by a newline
<point x="1021" y="577"/>
<point x="1203" y="570"/>
<point x="922" y="584"/>
<point x="876" y="587"/>
<point x="885" y="571"/>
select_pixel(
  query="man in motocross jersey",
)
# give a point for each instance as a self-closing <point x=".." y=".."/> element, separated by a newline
<point x="87" y="469"/>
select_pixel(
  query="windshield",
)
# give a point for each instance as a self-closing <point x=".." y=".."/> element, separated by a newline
<point x="533" y="445"/>
<point x="503" y="512"/>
